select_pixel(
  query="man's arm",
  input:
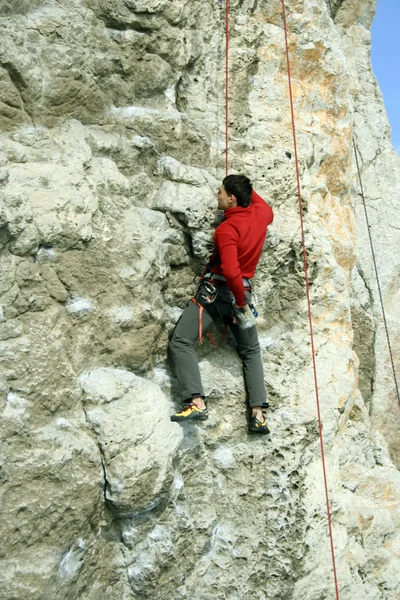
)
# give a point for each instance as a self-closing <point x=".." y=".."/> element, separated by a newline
<point x="256" y="199"/>
<point x="227" y="242"/>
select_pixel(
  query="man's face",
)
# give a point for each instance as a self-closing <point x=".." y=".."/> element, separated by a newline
<point x="225" y="201"/>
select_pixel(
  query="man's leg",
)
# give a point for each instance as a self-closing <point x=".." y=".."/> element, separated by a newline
<point x="248" y="349"/>
<point x="184" y="357"/>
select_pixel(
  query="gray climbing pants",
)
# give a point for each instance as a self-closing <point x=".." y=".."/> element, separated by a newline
<point x="186" y="333"/>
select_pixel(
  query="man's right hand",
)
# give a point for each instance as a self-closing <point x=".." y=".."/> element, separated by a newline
<point x="244" y="309"/>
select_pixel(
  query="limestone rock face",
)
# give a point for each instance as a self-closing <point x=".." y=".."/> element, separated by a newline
<point x="381" y="183"/>
<point x="135" y="436"/>
<point x="112" y="146"/>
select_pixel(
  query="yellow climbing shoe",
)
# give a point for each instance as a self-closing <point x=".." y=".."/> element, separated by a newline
<point x="257" y="426"/>
<point x="191" y="412"/>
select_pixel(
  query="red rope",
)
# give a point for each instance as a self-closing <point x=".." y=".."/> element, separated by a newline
<point x="309" y="306"/>
<point x="200" y="334"/>
<point x="226" y="85"/>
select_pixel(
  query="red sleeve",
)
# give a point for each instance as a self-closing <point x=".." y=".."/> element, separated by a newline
<point x="256" y="199"/>
<point x="226" y="242"/>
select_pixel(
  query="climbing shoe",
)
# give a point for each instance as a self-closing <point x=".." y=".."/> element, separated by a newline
<point x="258" y="427"/>
<point x="191" y="413"/>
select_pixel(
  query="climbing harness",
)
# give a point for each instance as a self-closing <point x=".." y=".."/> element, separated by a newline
<point x="209" y="299"/>
<point x="207" y="293"/>
<point x="211" y="292"/>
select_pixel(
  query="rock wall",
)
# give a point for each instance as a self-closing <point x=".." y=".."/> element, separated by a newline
<point x="111" y="149"/>
<point x="381" y="182"/>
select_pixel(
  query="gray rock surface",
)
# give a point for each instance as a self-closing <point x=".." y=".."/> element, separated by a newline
<point x="130" y="419"/>
<point x="111" y="149"/>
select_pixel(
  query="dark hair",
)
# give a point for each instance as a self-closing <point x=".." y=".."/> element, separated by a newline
<point x="240" y="187"/>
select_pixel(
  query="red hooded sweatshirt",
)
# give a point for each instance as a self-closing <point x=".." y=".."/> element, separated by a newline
<point x="238" y="243"/>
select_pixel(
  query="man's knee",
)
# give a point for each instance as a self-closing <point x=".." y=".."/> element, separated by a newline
<point x="172" y="345"/>
<point x="178" y="343"/>
<point x="249" y="352"/>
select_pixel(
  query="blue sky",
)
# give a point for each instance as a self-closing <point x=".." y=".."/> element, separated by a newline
<point x="385" y="57"/>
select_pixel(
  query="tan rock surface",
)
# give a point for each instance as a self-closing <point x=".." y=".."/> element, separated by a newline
<point x="111" y="148"/>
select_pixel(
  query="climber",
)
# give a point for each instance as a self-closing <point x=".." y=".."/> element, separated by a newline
<point x="238" y="242"/>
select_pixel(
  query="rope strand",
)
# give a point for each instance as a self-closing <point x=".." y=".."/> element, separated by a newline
<point x="376" y="271"/>
<point x="309" y="306"/>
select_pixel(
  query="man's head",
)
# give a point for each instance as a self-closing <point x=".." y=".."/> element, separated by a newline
<point x="235" y="191"/>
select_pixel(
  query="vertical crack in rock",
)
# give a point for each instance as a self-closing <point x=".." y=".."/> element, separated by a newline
<point x="364" y="328"/>
<point x="106" y="484"/>
<point x="101" y="454"/>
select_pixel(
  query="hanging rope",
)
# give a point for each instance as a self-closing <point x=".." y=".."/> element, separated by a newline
<point x="374" y="259"/>
<point x="376" y="271"/>
<point x="226" y="86"/>
<point x="309" y="305"/>
<point x="305" y="254"/>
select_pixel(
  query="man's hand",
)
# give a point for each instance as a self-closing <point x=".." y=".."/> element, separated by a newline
<point x="244" y="309"/>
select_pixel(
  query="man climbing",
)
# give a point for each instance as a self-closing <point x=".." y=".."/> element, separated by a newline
<point x="238" y="242"/>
